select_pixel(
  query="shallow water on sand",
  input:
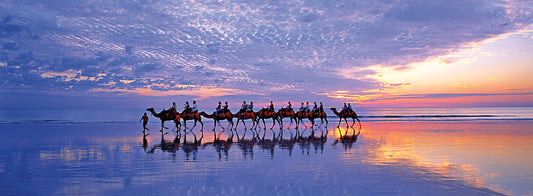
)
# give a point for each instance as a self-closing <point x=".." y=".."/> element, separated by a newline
<point x="383" y="158"/>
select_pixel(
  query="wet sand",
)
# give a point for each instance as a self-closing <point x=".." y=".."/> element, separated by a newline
<point x="385" y="158"/>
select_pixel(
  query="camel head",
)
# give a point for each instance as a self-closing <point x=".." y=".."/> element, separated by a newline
<point x="149" y="109"/>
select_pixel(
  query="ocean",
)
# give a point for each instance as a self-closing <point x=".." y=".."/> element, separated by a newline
<point x="66" y="116"/>
<point x="395" y="151"/>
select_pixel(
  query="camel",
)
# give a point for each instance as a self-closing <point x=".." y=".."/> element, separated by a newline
<point x="166" y="115"/>
<point x="221" y="116"/>
<point x="191" y="116"/>
<point x="320" y="114"/>
<point x="267" y="113"/>
<point x="242" y="115"/>
<point x="346" y="139"/>
<point x="311" y="116"/>
<point x="300" y="115"/>
<point x="286" y="112"/>
<point x="346" y="115"/>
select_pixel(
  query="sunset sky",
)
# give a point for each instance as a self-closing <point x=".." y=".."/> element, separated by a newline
<point x="391" y="53"/>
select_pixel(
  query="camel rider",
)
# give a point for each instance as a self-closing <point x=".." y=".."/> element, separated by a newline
<point x="225" y="107"/>
<point x="187" y="107"/>
<point x="350" y="108"/>
<point x="194" y="107"/>
<point x="344" y="108"/>
<point x="219" y="107"/>
<point x="244" y="106"/>
<point x="289" y="107"/>
<point x="250" y="107"/>
<point x="302" y="107"/>
<point x="307" y="108"/>
<point x="321" y="108"/>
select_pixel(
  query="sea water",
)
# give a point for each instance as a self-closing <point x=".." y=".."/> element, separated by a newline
<point x="405" y="151"/>
<point x="63" y="116"/>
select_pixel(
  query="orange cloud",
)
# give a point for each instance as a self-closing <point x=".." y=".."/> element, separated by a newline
<point x="202" y="92"/>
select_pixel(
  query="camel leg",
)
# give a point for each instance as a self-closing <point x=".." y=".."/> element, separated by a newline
<point x="230" y="122"/>
<point x="193" y="126"/>
<point x="340" y="119"/>
<point x="273" y="122"/>
<point x="254" y="124"/>
<point x="291" y="122"/>
<point x="236" y="125"/>
<point x="346" y="121"/>
<point x="177" y="127"/>
<point x="163" y="125"/>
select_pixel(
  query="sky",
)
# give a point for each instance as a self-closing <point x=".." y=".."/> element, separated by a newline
<point x="378" y="53"/>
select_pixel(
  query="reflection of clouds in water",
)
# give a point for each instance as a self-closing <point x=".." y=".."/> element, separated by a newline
<point x="99" y="151"/>
<point x="127" y="168"/>
<point x="440" y="155"/>
<point x="80" y="185"/>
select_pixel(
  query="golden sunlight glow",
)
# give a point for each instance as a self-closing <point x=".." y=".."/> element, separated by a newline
<point x="446" y="153"/>
<point x="476" y="68"/>
<point x="69" y="74"/>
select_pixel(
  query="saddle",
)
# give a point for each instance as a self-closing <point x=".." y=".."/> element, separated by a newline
<point x="246" y="114"/>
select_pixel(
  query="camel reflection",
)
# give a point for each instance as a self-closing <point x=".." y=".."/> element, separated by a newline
<point x="189" y="148"/>
<point x="221" y="146"/>
<point x="247" y="145"/>
<point x="317" y="142"/>
<point x="347" y="140"/>
<point x="165" y="146"/>
<point x="287" y="144"/>
<point x="249" y="141"/>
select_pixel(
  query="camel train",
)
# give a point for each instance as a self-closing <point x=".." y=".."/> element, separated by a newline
<point x="247" y="113"/>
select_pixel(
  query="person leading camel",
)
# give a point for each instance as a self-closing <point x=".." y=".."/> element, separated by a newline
<point x="144" y="118"/>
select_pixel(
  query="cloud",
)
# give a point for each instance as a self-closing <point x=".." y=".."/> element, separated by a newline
<point x="255" y="47"/>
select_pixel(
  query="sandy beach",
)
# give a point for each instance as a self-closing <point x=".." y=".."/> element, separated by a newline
<point x="414" y="158"/>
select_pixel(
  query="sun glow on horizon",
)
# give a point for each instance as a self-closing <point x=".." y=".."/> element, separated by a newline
<point x="484" y="71"/>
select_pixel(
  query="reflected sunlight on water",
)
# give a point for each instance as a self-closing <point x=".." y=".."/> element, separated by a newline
<point x="378" y="158"/>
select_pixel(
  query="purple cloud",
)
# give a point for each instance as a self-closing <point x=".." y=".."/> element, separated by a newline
<point x="266" y="48"/>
